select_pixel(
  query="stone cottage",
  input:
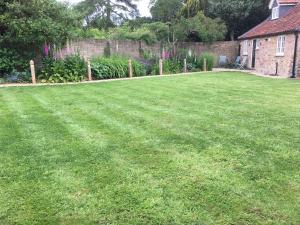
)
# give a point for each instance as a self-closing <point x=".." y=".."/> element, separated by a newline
<point x="273" y="47"/>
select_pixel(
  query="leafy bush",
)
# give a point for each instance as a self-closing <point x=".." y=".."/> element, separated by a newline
<point x="138" y="68"/>
<point x="71" y="69"/>
<point x="210" y="60"/>
<point x="10" y="60"/>
<point x="170" y="66"/>
<point x="18" y="77"/>
<point x="115" y="67"/>
<point x="92" y="33"/>
<point x="150" y="33"/>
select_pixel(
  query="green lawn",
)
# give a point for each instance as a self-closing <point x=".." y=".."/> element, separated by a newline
<point x="198" y="149"/>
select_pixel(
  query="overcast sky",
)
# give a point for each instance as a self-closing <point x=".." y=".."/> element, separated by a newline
<point x="142" y="5"/>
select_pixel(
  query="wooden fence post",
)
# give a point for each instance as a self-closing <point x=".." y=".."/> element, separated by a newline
<point x="185" y="66"/>
<point x="89" y="70"/>
<point x="32" y="69"/>
<point x="130" y="68"/>
<point x="204" y="65"/>
<point x="160" y="67"/>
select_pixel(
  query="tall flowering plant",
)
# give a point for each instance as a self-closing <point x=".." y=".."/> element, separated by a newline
<point x="46" y="49"/>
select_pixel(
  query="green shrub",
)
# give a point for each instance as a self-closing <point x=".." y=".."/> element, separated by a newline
<point x="210" y="60"/>
<point x="115" y="67"/>
<point x="170" y="66"/>
<point x="11" y="60"/>
<point x="71" y="69"/>
<point x="139" y="69"/>
<point x="18" y="77"/>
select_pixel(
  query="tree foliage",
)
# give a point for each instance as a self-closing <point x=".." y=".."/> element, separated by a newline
<point x="239" y="15"/>
<point x="166" y="11"/>
<point x="199" y="28"/>
<point x="192" y="7"/>
<point x="149" y="33"/>
<point x="104" y="14"/>
<point x="26" y="25"/>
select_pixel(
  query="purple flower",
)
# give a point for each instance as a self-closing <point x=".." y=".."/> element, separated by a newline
<point x="46" y="49"/>
<point x="166" y="54"/>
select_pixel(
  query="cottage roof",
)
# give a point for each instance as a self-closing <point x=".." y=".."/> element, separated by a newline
<point x="286" y="24"/>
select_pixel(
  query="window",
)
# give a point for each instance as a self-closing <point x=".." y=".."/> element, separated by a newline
<point x="280" y="46"/>
<point x="275" y="13"/>
<point x="257" y="44"/>
<point x="245" y="47"/>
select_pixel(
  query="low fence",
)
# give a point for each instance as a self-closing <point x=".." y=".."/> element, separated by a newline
<point x="130" y="69"/>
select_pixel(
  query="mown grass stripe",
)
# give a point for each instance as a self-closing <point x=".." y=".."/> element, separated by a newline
<point x="113" y="109"/>
<point x="156" y="155"/>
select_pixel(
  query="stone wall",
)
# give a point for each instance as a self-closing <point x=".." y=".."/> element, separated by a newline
<point x="91" y="48"/>
<point x="266" y="58"/>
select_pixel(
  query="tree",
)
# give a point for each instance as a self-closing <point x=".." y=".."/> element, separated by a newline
<point x="199" y="28"/>
<point x="165" y="11"/>
<point x="26" y="25"/>
<point x="104" y="14"/>
<point x="238" y="15"/>
<point x="148" y="32"/>
<point x="192" y="7"/>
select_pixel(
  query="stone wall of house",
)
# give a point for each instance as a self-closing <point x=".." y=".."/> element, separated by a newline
<point x="90" y="48"/>
<point x="266" y="58"/>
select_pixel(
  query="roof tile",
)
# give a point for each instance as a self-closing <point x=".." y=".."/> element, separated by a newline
<point x="286" y="24"/>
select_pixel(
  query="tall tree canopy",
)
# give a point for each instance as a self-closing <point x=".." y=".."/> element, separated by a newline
<point x="166" y="11"/>
<point x="28" y="24"/>
<point x="239" y="15"/>
<point x="192" y="7"/>
<point x="107" y="13"/>
<point x="199" y="28"/>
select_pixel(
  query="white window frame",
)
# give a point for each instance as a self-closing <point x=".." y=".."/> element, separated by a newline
<point x="280" y="45"/>
<point x="257" y="43"/>
<point x="245" y="47"/>
<point x="275" y="13"/>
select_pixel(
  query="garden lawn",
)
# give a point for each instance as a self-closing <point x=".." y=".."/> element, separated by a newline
<point x="209" y="148"/>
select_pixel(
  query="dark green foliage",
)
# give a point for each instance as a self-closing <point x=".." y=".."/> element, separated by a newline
<point x="239" y="15"/>
<point x="71" y="69"/>
<point x="165" y="11"/>
<point x="199" y="28"/>
<point x="25" y="26"/>
<point x="10" y="60"/>
<point x="115" y="67"/>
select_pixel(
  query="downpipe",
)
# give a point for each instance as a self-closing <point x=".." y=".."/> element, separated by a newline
<point x="295" y="55"/>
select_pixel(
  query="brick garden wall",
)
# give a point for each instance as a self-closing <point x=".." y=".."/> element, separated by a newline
<point x="90" y="48"/>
